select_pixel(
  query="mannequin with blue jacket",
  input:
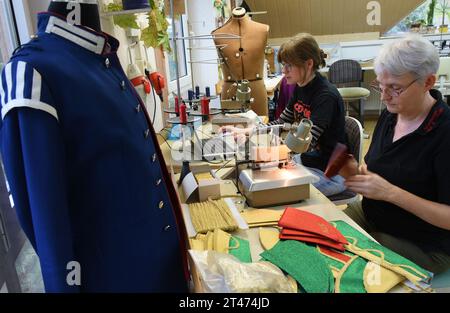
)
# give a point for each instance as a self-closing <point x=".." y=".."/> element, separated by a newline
<point x="90" y="186"/>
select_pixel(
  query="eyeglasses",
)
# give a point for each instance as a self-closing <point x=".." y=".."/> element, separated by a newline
<point x="393" y="92"/>
<point x="286" y="66"/>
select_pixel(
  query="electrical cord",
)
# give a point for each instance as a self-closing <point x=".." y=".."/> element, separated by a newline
<point x="154" y="101"/>
<point x="237" y="174"/>
<point x="225" y="164"/>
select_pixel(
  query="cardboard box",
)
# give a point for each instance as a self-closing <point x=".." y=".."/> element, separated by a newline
<point x="197" y="187"/>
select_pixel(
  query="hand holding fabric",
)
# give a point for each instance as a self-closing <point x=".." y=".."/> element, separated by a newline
<point x="369" y="184"/>
<point x="350" y="168"/>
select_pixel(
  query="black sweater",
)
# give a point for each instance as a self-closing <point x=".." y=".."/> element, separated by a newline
<point x="321" y="102"/>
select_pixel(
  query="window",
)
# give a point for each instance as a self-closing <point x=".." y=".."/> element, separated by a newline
<point x="8" y="32"/>
<point x="423" y="20"/>
<point x="181" y="53"/>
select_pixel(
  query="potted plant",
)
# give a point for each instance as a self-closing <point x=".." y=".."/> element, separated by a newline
<point x="430" y="17"/>
<point x="155" y="34"/>
<point x="442" y="8"/>
<point x="417" y="26"/>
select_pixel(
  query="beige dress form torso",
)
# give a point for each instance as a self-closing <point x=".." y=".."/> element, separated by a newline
<point x="244" y="59"/>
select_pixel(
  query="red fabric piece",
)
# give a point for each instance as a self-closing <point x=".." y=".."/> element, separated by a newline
<point x="311" y="223"/>
<point x="294" y="232"/>
<point x="337" y="160"/>
<point x="287" y="233"/>
<point x="319" y="241"/>
<point x="334" y="254"/>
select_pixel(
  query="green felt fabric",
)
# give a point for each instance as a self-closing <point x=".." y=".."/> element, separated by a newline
<point x="304" y="263"/>
<point x="242" y="253"/>
<point x="352" y="280"/>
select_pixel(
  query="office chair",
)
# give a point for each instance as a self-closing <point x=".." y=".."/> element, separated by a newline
<point x="348" y="74"/>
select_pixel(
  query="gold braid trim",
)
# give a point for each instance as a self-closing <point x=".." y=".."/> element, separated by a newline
<point x="398" y="268"/>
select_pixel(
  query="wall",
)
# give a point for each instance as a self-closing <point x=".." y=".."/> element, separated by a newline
<point x="326" y="17"/>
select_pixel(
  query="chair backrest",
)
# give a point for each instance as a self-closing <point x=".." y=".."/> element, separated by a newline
<point x="345" y="71"/>
<point x="354" y="132"/>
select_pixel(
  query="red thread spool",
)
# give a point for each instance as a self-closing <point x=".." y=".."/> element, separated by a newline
<point x="183" y="115"/>
<point x="205" y="106"/>
<point x="177" y="106"/>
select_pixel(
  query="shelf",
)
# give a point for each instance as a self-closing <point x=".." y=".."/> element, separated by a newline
<point x="124" y="12"/>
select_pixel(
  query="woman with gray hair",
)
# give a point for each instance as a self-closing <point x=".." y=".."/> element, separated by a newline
<point x="406" y="182"/>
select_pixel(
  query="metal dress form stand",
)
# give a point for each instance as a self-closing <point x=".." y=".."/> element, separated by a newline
<point x="197" y="37"/>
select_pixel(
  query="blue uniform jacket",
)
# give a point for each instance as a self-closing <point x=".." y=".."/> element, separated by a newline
<point x="86" y="173"/>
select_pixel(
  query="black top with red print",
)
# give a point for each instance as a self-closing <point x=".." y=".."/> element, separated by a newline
<point x="320" y="102"/>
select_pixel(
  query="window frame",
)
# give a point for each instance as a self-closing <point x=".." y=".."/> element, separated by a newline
<point x="185" y="81"/>
<point x="8" y="31"/>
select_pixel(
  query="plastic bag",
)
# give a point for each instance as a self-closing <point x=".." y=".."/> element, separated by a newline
<point x="224" y="273"/>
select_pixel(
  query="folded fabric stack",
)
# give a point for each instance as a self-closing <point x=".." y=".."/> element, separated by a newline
<point x="307" y="227"/>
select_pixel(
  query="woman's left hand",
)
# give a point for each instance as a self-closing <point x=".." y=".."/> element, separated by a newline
<point x="369" y="184"/>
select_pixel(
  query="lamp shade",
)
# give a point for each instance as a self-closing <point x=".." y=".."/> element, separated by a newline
<point x="299" y="138"/>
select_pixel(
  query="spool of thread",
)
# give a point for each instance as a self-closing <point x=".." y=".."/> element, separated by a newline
<point x="177" y="106"/>
<point x="197" y="92"/>
<point x="207" y="92"/>
<point x="183" y="115"/>
<point x="205" y="106"/>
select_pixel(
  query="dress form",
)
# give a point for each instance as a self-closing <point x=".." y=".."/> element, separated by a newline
<point x="244" y="58"/>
